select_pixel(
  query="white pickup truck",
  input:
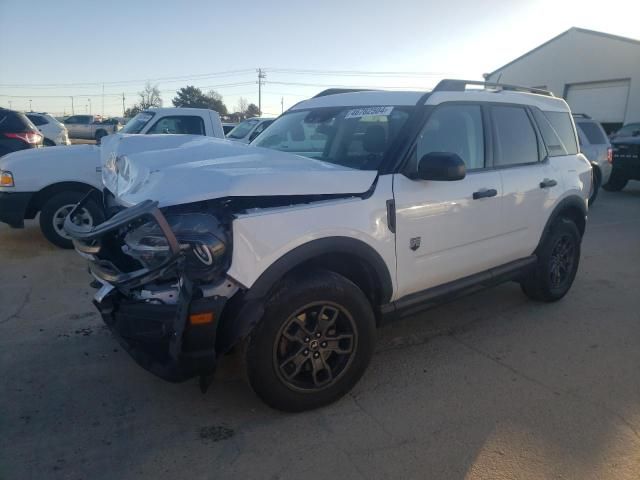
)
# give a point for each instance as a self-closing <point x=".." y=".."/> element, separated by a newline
<point x="52" y="180"/>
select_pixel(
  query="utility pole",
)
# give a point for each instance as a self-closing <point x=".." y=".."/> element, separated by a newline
<point x="261" y="76"/>
<point x="281" y="105"/>
<point x="102" y="114"/>
<point x="30" y="109"/>
<point x="10" y="108"/>
<point x="122" y="104"/>
<point x="72" y="111"/>
<point x="89" y="100"/>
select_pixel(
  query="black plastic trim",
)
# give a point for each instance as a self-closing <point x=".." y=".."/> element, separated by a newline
<point x="315" y="248"/>
<point x="572" y="202"/>
<point x="419" y="301"/>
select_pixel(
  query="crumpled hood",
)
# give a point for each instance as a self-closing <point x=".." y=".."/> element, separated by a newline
<point x="177" y="169"/>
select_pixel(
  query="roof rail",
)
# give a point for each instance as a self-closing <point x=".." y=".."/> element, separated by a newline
<point x="335" y="91"/>
<point x="581" y="115"/>
<point x="451" y="85"/>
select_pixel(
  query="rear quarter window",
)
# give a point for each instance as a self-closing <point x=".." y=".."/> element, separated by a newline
<point x="563" y="126"/>
<point x="593" y="132"/>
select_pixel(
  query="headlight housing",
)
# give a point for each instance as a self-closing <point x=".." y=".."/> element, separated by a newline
<point x="201" y="237"/>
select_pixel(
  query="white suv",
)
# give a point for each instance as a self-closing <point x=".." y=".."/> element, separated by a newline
<point x="353" y="208"/>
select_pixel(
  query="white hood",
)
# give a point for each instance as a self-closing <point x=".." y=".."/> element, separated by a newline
<point x="176" y="169"/>
<point x="36" y="168"/>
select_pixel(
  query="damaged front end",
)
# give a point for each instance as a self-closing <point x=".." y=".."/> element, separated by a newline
<point x="163" y="284"/>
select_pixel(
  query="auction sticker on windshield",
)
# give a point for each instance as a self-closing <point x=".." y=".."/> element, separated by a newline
<point x="368" y="112"/>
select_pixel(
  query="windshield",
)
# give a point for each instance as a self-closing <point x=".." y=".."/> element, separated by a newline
<point x="352" y="137"/>
<point x="137" y="123"/>
<point x="242" y="129"/>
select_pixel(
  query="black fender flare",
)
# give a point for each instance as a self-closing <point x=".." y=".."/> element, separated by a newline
<point x="246" y="308"/>
<point x="315" y="248"/>
<point x="567" y="207"/>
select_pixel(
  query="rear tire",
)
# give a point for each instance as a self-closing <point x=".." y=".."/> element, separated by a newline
<point x="313" y="343"/>
<point x="616" y="182"/>
<point x="557" y="265"/>
<point x="55" y="210"/>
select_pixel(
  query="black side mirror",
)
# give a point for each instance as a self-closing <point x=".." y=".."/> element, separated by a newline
<point x="441" y="166"/>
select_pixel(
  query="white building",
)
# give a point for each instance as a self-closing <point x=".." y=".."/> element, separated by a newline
<point x="596" y="73"/>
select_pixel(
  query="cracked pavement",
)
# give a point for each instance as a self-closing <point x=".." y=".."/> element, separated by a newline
<point x="490" y="386"/>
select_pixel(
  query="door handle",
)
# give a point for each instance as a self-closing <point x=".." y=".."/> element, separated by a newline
<point x="492" y="192"/>
<point x="548" y="182"/>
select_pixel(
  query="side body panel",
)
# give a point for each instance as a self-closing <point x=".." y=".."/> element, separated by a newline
<point x="443" y="233"/>
<point x="263" y="237"/>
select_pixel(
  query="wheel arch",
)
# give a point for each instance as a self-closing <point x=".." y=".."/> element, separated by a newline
<point x="574" y="209"/>
<point x="351" y="258"/>
<point x="40" y="198"/>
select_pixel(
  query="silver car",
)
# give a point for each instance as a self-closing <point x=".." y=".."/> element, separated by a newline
<point x="595" y="145"/>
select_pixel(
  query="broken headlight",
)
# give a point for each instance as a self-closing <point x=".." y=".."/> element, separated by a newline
<point x="201" y="237"/>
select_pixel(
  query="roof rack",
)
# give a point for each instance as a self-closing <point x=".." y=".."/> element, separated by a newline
<point x="450" y="85"/>
<point x="335" y="91"/>
<point x="581" y="115"/>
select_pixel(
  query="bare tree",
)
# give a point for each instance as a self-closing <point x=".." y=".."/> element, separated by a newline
<point x="149" y="97"/>
<point x="242" y="105"/>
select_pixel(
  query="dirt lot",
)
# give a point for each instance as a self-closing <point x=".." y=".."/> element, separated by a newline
<point x="492" y="386"/>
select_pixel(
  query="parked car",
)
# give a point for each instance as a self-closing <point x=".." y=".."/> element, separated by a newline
<point x="394" y="201"/>
<point x="51" y="181"/>
<point x="227" y="127"/>
<point x="628" y="130"/>
<point x="89" y="127"/>
<point x="595" y="145"/>
<point x="626" y="157"/>
<point x="54" y="132"/>
<point x="247" y="130"/>
<point x="17" y="132"/>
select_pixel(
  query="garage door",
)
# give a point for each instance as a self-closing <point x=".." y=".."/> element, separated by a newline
<point x="606" y="102"/>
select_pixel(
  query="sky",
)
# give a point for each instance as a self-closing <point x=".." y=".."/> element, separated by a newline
<point x="53" y="50"/>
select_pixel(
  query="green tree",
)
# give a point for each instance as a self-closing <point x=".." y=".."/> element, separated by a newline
<point x="193" y="97"/>
<point x="252" y="111"/>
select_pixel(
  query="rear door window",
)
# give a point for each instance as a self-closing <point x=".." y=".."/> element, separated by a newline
<point x="516" y="141"/>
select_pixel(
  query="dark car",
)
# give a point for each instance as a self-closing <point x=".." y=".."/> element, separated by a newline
<point x="17" y="132"/>
<point x="626" y="157"/>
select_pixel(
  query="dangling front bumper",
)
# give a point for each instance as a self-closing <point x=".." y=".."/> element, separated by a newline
<point x="173" y="337"/>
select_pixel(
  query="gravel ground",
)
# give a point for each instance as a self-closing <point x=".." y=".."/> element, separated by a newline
<point x="491" y="386"/>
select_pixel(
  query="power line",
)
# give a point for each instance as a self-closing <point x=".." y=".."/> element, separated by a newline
<point x="124" y="82"/>
<point x="358" y="73"/>
<point x="334" y="85"/>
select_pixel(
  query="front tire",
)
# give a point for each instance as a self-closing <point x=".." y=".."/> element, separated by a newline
<point x="313" y="343"/>
<point x="55" y="210"/>
<point x="557" y="265"/>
